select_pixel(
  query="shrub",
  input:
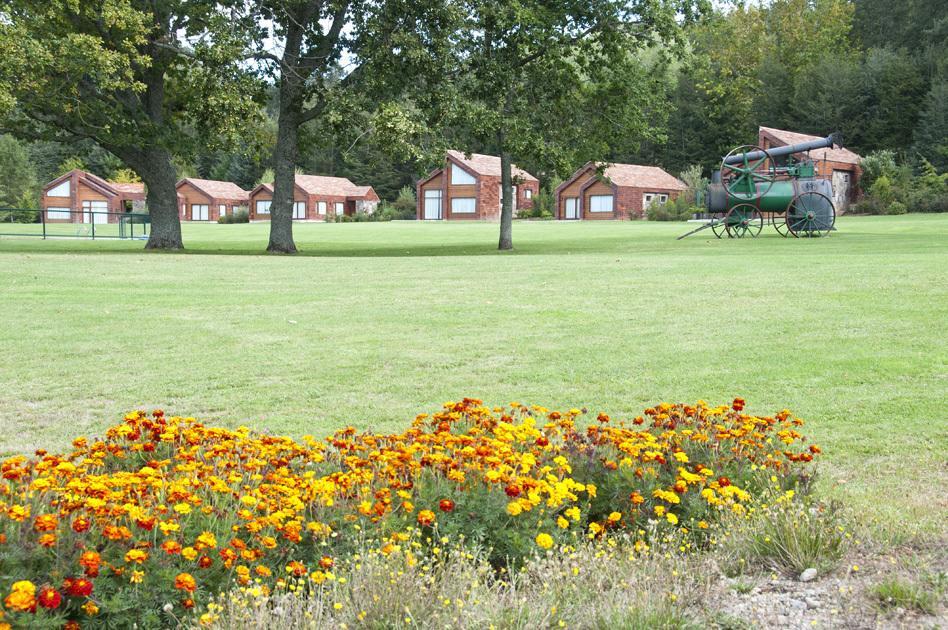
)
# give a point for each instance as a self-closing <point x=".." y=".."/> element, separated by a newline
<point x="790" y="536"/>
<point x="12" y="215"/>
<point x="678" y="209"/>
<point x="188" y="510"/>
<point x="896" y="207"/>
<point x="240" y="216"/>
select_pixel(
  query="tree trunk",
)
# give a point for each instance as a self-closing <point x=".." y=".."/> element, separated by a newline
<point x="506" y="206"/>
<point x="284" y="182"/>
<point x="154" y="166"/>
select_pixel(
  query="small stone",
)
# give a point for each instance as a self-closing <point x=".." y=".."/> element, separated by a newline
<point x="796" y="604"/>
<point x="811" y="603"/>
<point x="809" y="575"/>
<point x="782" y="620"/>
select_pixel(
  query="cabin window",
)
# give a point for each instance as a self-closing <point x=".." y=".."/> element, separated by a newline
<point x="199" y="211"/>
<point x="463" y="205"/>
<point x="54" y="214"/>
<point x="528" y="194"/>
<point x="61" y="190"/>
<point x="432" y="208"/>
<point x="299" y="210"/>
<point x="650" y="198"/>
<point x="339" y="208"/>
<point x="221" y="210"/>
<point x="320" y="207"/>
<point x="600" y="203"/>
<point x="263" y="206"/>
<point x="460" y="177"/>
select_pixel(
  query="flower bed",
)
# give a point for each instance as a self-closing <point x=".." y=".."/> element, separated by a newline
<point x="166" y="512"/>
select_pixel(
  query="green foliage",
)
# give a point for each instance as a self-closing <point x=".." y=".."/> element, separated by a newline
<point x="240" y="216"/>
<point x="790" y="536"/>
<point x="678" y="209"/>
<point x="875" y="165"/>
<point x="931" y="134"/>
<point x="18" y="185"/>
<point x="899" y="593"/>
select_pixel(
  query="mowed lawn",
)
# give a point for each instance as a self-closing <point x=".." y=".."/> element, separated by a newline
<point x="375" y="323"/>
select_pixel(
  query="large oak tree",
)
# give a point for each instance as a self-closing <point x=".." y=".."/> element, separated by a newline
<point x="143" y="79"/>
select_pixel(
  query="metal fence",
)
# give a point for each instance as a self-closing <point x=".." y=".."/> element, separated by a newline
<point x="65" y="223"/>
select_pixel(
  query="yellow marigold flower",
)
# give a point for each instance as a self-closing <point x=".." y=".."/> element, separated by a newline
<point x="189" y="553"/>
<point x="615" y="517"/>
<point x="514" y="509"/>
<point x="182" y="508"/>
<point x="672" y="518"/>
<point x="573" y="513"/>
<point x="90" y="608"/>
<point x="544" y="541"/>
<point x="207" y="539"/>
<point x="591" y="490"/>
<point x="660" y="510"/>
<point x="682" y="457"/>
<point x="137" y="577"/>
<point x="561" y="522"/>
<point x="137" y="556"/>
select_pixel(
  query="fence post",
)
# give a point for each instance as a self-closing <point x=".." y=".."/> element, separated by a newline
<point x="92" y="217"/>
<point x="43" y="220"/>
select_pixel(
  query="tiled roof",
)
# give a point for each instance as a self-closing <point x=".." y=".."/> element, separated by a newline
<point x="488" y="165"/>
<point x="831" y="154"/>
<point x="129" y="188"/>
<point x="639" y="176"/>
<point x="328" y="186"/>
<point x="217" y="189"/>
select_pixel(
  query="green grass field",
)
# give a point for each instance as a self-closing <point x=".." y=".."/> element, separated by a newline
<point x="377" y="322"/>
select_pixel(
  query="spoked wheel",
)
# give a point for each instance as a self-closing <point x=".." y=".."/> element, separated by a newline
<point x="779" y="221"/>
<point x="744" y="220"/>
<point x="810" y="214"/>
<point x="718" y="226"/>
<point x="748" y="173"/>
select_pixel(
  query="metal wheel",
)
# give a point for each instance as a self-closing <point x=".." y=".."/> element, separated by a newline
<point x="742" y="176"/>
<point x="718" y="226"/>
<point x="810" y="214"/>
<point x="743" y="220"/>
<point x="779" y="221"/>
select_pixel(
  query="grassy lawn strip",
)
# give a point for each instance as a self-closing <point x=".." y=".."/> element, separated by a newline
<point x="378" y="321"/>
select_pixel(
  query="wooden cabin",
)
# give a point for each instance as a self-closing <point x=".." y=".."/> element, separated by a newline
<point x="81" y="197"/>
<point x="614" y="191"/>
<point x="317" y="198"/>
<point x="208" y="200"/>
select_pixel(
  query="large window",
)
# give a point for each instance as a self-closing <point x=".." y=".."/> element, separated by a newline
<point x="58" y="214"/>
<point x="299" y="210"/>
<point x="600" y="203"/>
<point x="221" y="210"/>
<point x="339" y="208"/>
<point x="463" y="205"/>
<point x="320" y="207"/>
<point x="199" y="211"/>
<point x="61" y="190"/>
<point x="263" y="206"/>
<point x="432" y="208"/>
<point x="460" y="177"/>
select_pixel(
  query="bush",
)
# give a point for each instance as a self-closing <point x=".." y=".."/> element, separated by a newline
<point x="544" y="206"/>
<point x="188" y="510"/>
<point x="896" y="207"/>
<point x="19" y="216"/>
<point x="241" y="216"/>
<point x="678" y="209"/>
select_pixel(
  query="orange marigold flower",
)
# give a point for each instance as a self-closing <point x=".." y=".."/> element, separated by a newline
<point x="188" y="603"/>
<point x="185" y="582"/>
<point x="205" y="562"/>
<point x="446" y="505"/>
<point x="426" y="518"/>
<point x="171" y="547"/>
<point x="137" y="556"/>
<point x="78" y="587"/>
<point x="81" y="524"/>
<point x="296" y="568"/>
<point x="22" y="597"/>
<point x="636" y="498"/>
<point x="45" y="522"/>
<point x="326" y="562"/>
<point x="512" y="491"/>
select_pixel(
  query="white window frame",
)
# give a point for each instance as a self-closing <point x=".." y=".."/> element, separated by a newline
<point x="199" y="211"/>
<point x="221" y="210"/>
<point x="263" y="206"/>
<point x="469" y="205"/>
<point x="461" y="176"/>
<point x="566" y="207"/>
<point x="58" y="214"/>
<point x="528" y="193"/>
<point x="433" y="195"/>
<point x="299" y="209"/>
<point x="339" y="208"/>
<point x="596" y="205"/>
<point x="321" y="207"/>
<point x="62" y="189"/>
<point x="93" y="210"/>
<point x="650" y="198"/>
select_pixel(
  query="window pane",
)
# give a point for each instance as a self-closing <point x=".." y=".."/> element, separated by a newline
<point x="58" y="213"/>
<point x="320" y="207"/>
<point x="62" y="190"/>
<point x="600" y="203"/>
<point x="459" y="176"/>
<point x="463" y="205"/>
<point x="263" y="207"/>
<point x="528" y="194"/>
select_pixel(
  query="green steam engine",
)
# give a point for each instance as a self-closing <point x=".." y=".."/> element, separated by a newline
<point x="754" y="182"/>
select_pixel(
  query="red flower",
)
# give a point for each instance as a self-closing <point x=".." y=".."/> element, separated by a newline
<point x="446" y="505"/>
<point x="512" y="491"/>
<point x="326" y="562"/>
<point x="542" y="441"/>
<point x="49" y="598"/>
<point x="205" y="562"/>
<point x="80" y="525"/>
<point x="724" y="482"/>
<point x="78" y="587"/>
<point x="738" y="404"/>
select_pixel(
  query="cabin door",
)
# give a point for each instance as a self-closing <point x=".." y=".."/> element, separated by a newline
<point x="432" y="208"/>
<point x="95" y="212"/>
<point x="572" y="207"/>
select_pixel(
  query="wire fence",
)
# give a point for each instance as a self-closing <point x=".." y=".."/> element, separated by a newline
<point x="66" y="223"/>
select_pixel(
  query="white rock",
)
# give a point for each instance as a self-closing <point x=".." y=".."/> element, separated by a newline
<point x="809" y="575"/>
<point x="811" y="603"/>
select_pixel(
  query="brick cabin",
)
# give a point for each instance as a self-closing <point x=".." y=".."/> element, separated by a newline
<point x="207" y="199"/>
<point x="470" y="189"/>
<point x="839" y="165"/>
<point x="80" y="197"/>
<point x="316" y="198"/>
<point x="618" y="191"/>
